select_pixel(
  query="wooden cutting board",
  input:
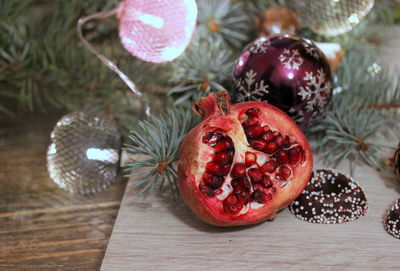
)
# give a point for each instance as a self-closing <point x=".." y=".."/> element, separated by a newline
<point x="159" y="234"/>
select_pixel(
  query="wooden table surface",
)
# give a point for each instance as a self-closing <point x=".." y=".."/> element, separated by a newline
<point x="43" y="227"/>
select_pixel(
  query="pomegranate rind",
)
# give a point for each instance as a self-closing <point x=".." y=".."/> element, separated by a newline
<point x="194" y="157"/>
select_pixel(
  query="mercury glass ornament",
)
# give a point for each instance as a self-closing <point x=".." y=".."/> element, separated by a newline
<point x="83" y="155"/>
<point x="332" y="17"/>
<point x="157" y="30"/>
<point x="288" y="72"/>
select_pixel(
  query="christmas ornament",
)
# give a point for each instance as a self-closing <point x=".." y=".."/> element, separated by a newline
<point x="288" y="72"/>
<point x="277" y="20"/>
<point x="83" y="155"/>
<point x="243" y="163"/>
<point x="152" y="30"/>
<point x="392" y="220"/>
<point x="157" y="30"/>
<point x="330" y="198"/>
<point x="332" y="17"/>
<point x="396" y="163"/>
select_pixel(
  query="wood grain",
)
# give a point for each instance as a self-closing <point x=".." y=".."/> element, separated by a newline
<point x="41" y="226"/>
<point x="159" y="234"/>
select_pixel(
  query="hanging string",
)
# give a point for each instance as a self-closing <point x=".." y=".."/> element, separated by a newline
<point x="105" y="60"/>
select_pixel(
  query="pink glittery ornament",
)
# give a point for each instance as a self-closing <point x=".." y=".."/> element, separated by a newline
<point x="157" y="30"/>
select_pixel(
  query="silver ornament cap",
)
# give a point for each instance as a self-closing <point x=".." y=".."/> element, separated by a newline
<point x="84" y="152"/>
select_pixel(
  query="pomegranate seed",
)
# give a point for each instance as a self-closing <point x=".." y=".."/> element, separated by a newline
<point x="279" y="141"/>
<point x="223" y="157"/>
<point x="285" y="171"/>
<point x="223" y="145"/>
<point x="239" y="170"/>
<point x="286" y="142"/>
<point x="253" y="112"/>
<point x="206" y="190"/>
<point x="261" y="197"/>
<point x="215" y="182"/>
<point x="226" y="168"/>
<point x="243" y="196"/>
<point x="207" y="176"/>
<point x="266" y="129"/>
<point x="267" y="182"/>
<point x="254" y="131"/>
<point x="214" y="168"/>
<point x="255" y="175"/>
<point x="212" y="138"/>
<point x="269" y="166"/>
<point x="250" y="122"/>
<point x="276" y="133"/>
<point x="280" y="179"/>
<point x="250" y="158"/>
<point x="258" y="187"/>
<point x="295" y="156"/>
<point x="267" y="136"/>
<point x="258" y="144"/>
<point x="232" y="205"/>
<point x="271" y="147"/>
<point x="283" y="156"/>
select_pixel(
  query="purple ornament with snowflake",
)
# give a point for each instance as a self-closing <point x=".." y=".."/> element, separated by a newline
<point x="288" y="72"/>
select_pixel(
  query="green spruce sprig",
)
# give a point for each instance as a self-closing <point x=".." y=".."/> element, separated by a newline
<point x="222" y="21"/>
<point x="203" y="68"/>
<point x="364" y="108"/>
<point x="157" y="141"/>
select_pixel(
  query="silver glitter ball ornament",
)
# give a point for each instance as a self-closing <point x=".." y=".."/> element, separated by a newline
<point x="332" y="17"/>
<point x="83" y="155"/>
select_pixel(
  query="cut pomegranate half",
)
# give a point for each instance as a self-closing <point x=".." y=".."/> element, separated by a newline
<point x="243" y="163"/>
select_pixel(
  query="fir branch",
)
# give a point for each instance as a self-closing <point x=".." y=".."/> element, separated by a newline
<point x="159" y="140"/>
<point x="222" y="21"/>
<point x="353" y="123"/>
<point x="203" y="68"/>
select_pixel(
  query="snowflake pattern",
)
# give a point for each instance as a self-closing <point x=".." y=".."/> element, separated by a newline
<point x="248" y="90"/>
<point x="311" y="49"/>
<point x="291" y="59"/>
<point x="260" y="45"/>
<point x="316" y="92"/>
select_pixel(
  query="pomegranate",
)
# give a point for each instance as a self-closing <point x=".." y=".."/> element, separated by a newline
<point x="243" y="163"/>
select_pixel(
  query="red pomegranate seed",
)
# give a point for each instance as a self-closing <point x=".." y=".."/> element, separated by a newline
<point x="253" y="112"/>
<point x="232" y="205"/>
<point x="226" y="168"/>
<point x="250" y="158"/>
<point x="276" y="133"/>
<point x="223" y="145"/>
<point x="266" y="129"/>
<point x="286" y="142"/>
<point x="279" y="141"/>
<point x="261" y="197"/>
<point x="285" y="171"/>
<point x="206" y="190"/>
<point x="239" y="170"/>
<point x="255" y="175"/>
<point x="223" y="157"/>
<point x="267" y="182"/>
<point x="254" y="131"/>
<point x="243" y="196"/>
<point x="250" y="122"/>
<point x="269" y="166"/>
<point x="211" y="138"/>
<point x="258" y="144"/>
<point x="267" y="136"/>
<point x="214" y="168"/>
<point x="271" y="147"/>
<point x="280" y="179"/>
<point x="295" y="155"/>
<point x="283" y="156"/>
<point x="215" y="182"/>
<point x="207" y="176"/>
